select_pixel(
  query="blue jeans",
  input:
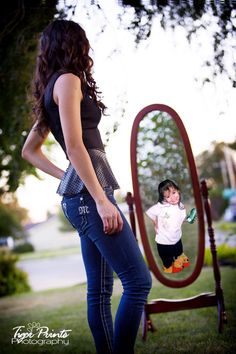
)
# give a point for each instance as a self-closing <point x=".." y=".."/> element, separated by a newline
<point x="103" y="254"/>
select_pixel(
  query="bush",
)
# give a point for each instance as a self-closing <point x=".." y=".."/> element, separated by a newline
<point x="226" y="255"/>
<point x="23" y="248"/>
<point x="12" y="279"/>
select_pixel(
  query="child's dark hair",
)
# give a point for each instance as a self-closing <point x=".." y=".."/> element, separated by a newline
<point x="165" y="186"/>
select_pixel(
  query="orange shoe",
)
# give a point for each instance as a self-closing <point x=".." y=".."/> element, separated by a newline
<point x="178" y="264"/>
<point x="184" y="260"/>
<point x="172" y="269"/>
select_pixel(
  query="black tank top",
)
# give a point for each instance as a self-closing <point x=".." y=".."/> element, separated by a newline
<point x="90" y="118"/>
<point x="71" y="183"/>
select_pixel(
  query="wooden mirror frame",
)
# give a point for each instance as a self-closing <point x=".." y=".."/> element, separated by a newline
<point x="196" y="192"/>
<point x="201" y="300"/>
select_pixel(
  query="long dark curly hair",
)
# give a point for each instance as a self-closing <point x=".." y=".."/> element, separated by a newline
<point x="63" y="47"/>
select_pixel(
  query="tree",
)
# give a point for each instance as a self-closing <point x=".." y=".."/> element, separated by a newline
<point x="213" y="164"/>
<point x="20" y="23"/>
<point x="12" y="217"/>
<point x="218" y="166"/>
<point x="215" y="17"/>
<point x="160" y="155"/>
<point x="22" y="20"/>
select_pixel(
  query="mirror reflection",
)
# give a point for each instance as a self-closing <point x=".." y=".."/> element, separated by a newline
<point x="161" y="156"/>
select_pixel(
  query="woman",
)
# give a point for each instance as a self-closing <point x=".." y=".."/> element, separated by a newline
<point x="66" y="103"/>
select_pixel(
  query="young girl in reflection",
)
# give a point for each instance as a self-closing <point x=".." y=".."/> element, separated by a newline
<point x="168" y="215"/>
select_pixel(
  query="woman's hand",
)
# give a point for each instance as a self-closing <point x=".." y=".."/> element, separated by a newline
<point x="112" y="221"/>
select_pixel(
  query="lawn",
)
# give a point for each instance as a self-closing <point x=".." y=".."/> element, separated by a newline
<point x="193" y="331"/>
<point x="50" y="253"/>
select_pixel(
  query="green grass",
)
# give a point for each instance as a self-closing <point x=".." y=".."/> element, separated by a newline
<point x="50" y="253"/>
<point x="189" y="331"/>
<point x="228" y="227"/>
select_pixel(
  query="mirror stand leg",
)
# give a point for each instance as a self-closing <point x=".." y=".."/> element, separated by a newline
<point x="147" y="324"/>
<point x="218" y="289"/>
<point x="222" y="318"/>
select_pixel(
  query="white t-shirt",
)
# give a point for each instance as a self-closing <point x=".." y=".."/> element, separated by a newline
<point x="169" y="221"/>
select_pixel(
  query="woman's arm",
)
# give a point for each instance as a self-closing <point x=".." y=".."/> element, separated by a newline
<point x="68" y="95"/>
<point x="32" y="152"/>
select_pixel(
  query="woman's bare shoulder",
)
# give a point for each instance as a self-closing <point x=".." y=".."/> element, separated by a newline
<point x="68" y="78"/>
<point x="67" y="85"/>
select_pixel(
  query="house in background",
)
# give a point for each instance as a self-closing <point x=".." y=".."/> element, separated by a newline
<point x="46" y="235"/>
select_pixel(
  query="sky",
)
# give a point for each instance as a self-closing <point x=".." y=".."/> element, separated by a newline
<point x="163" y="70"/>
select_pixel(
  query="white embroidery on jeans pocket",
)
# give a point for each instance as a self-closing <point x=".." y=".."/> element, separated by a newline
<point x="83" y="210"/>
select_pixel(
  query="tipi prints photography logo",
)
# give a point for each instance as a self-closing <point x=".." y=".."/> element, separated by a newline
<point x="36" y="334"/>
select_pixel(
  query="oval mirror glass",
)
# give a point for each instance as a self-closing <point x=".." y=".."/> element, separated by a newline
<point x="160" y="150"/>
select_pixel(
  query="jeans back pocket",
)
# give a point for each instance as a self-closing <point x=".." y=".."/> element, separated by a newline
<point x="75" y="210"/>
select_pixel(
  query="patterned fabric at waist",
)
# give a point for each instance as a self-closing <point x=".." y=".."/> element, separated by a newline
<point x="72" y="184"/>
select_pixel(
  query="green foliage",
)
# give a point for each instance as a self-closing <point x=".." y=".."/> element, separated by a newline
<point x="229" y="227"/>
<point x="211" y="165"/>
<point x="10" y="222"/>
<point x="21" y="22"/>
<point x="226" y="255"/>
<point x="24" y="248"/>
<point x="12" y="279"/>
<point x="160" y="155"/>
<point x="194" y="17"/>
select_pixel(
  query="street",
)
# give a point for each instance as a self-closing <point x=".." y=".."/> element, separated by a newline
<point x="55" y="272"/>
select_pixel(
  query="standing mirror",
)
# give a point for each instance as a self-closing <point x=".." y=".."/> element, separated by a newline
<point x="160" y="149"/>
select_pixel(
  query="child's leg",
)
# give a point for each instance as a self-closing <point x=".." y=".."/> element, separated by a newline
<point x="179" y="255"/>
<point x="178" y="249"/>
<point x="165" y="254"/>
